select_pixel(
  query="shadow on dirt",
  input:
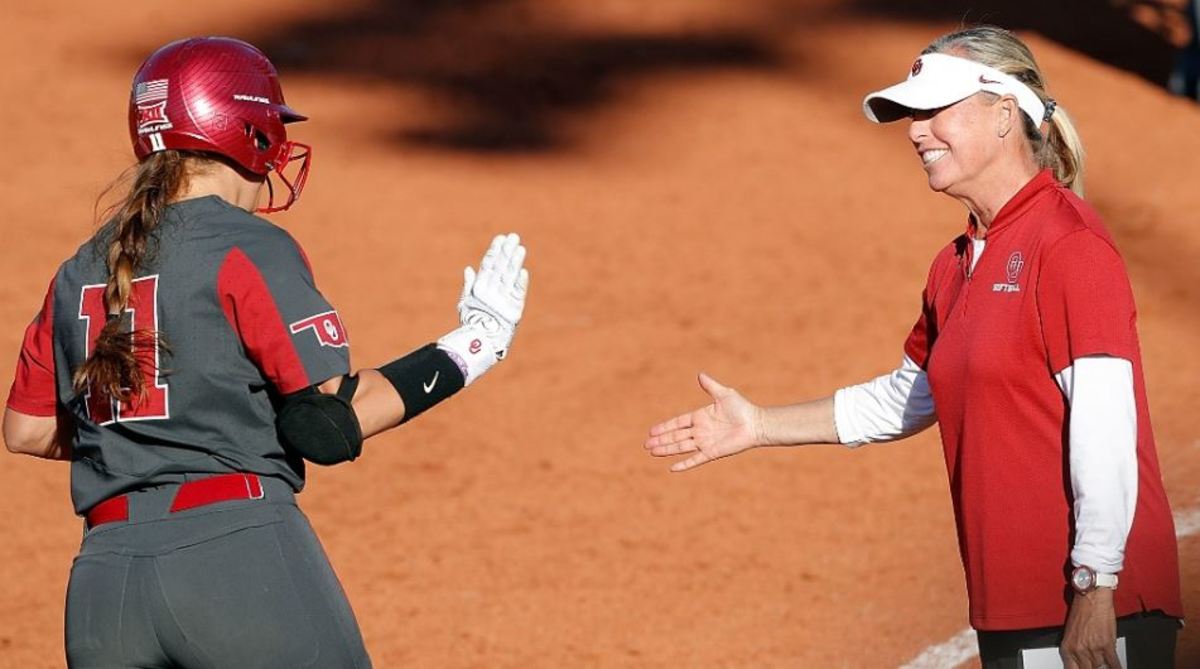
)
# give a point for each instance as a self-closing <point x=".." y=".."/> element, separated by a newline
<point x="506" y="75"/>
<point x="1103" y="30"/>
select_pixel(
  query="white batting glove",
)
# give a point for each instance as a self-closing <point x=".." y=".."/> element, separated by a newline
<point x="494" y="298"/>
<point x="490" y="307"/>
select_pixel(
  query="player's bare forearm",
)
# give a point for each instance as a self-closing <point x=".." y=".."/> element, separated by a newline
<point x="376" y="403"/>
<point x="794" y="424"/>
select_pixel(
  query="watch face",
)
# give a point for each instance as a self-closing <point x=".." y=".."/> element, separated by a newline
<point x="1083" y="579"/>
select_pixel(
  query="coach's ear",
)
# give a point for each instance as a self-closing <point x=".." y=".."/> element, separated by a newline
<point x="320" y="427"/>
<point x="1008" y="114"/>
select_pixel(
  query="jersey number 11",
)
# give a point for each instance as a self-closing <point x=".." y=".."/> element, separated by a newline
<point x="143" y="305"/>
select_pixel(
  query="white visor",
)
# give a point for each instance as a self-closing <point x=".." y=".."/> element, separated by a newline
<point x="937" y="80"/>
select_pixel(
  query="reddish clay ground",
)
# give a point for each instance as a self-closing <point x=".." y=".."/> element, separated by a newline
<point x="708" y="197"/>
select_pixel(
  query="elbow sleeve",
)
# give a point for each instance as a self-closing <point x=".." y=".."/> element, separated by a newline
<point x="321" y="428"/>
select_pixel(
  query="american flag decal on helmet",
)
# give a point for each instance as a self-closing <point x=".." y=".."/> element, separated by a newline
<point x="150" y="91"/>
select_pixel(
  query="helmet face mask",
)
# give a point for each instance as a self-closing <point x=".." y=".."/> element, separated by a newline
<point x="292" y="152"/>
<point x="221" y="96"/>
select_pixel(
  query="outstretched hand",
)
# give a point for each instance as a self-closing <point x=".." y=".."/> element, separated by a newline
<point x="731" y="424"/>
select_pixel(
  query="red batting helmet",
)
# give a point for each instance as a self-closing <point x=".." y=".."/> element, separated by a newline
<point x="218" y="95"/>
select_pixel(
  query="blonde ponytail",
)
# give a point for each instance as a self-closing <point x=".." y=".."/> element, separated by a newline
<point x="1060" y="149"/>
<point x="1063" y="151"/>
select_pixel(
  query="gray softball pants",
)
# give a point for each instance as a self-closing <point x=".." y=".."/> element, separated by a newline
<point x="239" y="584"/>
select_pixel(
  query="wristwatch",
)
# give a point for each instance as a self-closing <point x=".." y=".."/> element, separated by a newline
<point x="1085" y="579"/>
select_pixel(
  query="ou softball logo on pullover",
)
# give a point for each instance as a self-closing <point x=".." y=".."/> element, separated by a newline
<point x="1012" y="269"/>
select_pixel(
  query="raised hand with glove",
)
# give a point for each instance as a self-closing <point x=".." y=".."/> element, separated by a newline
<point x="490" y="307"/>
<point x="329" y="426"/>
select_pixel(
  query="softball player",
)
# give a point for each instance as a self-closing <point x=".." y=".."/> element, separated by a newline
<point x="1026" y="355"/>
<point x="186" y="364"/>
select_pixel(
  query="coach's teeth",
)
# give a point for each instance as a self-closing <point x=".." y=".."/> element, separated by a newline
<point x="928" y="157"/>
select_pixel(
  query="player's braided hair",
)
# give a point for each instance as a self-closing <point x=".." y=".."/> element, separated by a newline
<point x="118" y="358"/>
<point x="1060" y="149"/>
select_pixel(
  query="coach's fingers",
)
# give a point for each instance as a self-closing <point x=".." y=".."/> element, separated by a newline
<point x="695" y="461"/>
<point x="711" y="386"/>
<point x="1079" y="659"/>
<point x="1109" y="657"/>
<point x="677" y="423"/>
<point x="1071" y="659"/>
<point x="675" y="448"/>
<point x="672" y="437"/>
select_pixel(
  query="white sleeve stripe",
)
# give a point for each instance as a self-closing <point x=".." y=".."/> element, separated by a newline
<point x="1103" y="458"/>
<point x="889" y="407"/>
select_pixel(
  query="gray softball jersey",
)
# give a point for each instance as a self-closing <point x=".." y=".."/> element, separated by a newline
<point x="241" y="322"/>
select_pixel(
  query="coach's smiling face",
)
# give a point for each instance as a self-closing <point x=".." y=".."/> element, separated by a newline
<point x="965" y="147"/>
<point x="956" y="144"/>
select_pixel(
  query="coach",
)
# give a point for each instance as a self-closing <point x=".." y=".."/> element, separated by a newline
<point x="1026" y="354"/>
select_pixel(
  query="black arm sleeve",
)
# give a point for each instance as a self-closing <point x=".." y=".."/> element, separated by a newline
<point x="423" y="378"/>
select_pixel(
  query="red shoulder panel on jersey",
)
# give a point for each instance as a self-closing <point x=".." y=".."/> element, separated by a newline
<point x="33" y="390"/>
<point x="251" y="311"/>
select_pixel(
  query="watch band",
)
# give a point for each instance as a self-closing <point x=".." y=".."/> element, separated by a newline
<point x="1084" y="579"/>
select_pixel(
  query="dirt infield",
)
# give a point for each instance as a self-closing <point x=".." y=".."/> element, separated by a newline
<point x="698" y="190"/>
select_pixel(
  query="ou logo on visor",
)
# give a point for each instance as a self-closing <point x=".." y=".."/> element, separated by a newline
<point x="326" y="326"/>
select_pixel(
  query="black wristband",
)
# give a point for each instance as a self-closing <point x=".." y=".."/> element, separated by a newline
<point x="423" y="378"/>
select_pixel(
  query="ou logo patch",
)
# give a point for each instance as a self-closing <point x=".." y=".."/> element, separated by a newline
<point x="1013" y="269"/>
<point x="326" y="326"/>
